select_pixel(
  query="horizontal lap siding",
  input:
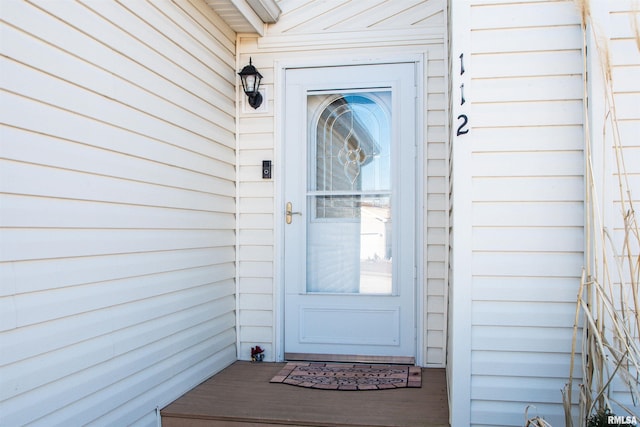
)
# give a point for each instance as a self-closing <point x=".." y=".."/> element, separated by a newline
<point x="117" y="190"/>
<point x="527" y="213"/>
<point x="313" y="31"/>
<point x="624" y="54"/>
<point x="615" y="22"/>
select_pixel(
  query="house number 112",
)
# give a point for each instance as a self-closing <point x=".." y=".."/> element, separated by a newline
<point x="463" y="119"/>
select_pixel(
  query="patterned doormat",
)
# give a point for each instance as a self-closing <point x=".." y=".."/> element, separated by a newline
<point x="343" y="376"/>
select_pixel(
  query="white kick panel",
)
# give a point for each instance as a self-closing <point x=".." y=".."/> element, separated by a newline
<point x="325" y="325"/>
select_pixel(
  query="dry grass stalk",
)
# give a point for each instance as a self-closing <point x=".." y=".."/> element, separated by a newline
<point x="534" y="421"/>
<point x="635" y="22"/>
<point x="608" y="298"/>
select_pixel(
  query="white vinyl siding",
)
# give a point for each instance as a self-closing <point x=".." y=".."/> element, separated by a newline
<point x="619" y="48"/>
<point x="624" y="54"/>
<point x="521" y="165"/>
<point x="316" y="33"/>
<point x="117" y="192"/>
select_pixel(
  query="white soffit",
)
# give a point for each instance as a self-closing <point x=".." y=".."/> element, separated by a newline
<point x="267" y="10"/>
<point x="246" y="16"/>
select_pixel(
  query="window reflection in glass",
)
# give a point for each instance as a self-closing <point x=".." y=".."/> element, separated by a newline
<point x="349" y="233"/>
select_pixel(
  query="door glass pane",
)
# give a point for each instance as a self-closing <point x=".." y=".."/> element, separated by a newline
<point x="349" y="229"/>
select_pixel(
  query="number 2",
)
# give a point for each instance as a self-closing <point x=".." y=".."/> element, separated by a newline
<point x="462" y="129"/>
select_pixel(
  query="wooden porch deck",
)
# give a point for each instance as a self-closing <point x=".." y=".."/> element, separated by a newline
<point x="241" y="395"/>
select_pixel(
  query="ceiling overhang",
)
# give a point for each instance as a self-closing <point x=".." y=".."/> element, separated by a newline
<point x="246" y="16"/>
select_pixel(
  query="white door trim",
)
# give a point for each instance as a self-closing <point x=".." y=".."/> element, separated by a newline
<point x="280" y="67"/>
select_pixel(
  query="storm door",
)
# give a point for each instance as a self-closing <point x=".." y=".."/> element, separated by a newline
<point x="349" y="211"/>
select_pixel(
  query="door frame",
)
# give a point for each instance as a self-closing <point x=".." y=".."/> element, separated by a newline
<point x="280" y="68"/>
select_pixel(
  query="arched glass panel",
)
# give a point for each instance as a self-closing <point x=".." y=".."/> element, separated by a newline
<point x="349" y="189"/>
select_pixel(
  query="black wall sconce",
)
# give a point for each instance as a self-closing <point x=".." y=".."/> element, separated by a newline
<point x="251" y="84"/>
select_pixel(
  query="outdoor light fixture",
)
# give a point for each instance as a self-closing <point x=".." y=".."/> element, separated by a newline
<point x="251" y="84"/>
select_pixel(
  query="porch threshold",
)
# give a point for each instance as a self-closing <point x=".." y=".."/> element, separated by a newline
<point x="241" y="395"/>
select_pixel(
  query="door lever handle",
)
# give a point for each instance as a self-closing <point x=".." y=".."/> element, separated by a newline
<point x="289" y="213"/>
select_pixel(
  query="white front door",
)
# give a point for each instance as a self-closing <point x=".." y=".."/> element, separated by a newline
<point x="349" y="195"/>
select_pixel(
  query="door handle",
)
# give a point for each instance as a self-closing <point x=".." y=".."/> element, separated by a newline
<point x="289" y="213"/>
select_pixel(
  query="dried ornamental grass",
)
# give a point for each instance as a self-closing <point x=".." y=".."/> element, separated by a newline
<point x="534" y="421"/>
<point x="608" y="299"/>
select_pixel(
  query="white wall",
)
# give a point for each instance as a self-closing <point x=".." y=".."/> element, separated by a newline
<point x="517" y="224"/>
<point x="614" y="37"/>
<point x="316" y="33"/>
<point x="117" y="186"/>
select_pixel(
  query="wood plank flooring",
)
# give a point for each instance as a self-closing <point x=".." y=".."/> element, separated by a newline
<point x="241" y="395"/>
